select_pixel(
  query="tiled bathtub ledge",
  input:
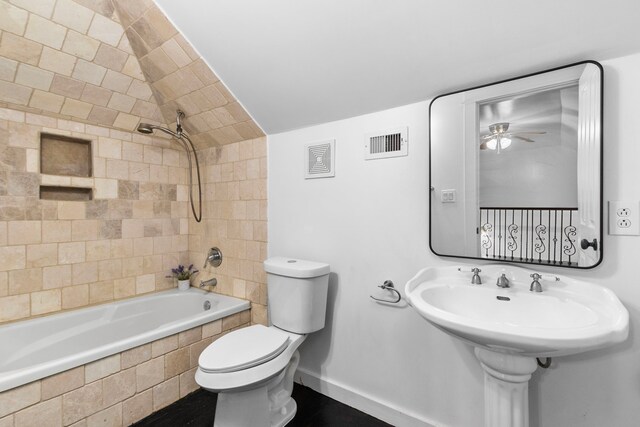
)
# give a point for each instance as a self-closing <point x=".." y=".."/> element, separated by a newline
<point x="120" y="389"/>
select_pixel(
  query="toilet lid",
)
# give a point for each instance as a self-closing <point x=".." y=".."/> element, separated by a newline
<point x="244" y="348"/>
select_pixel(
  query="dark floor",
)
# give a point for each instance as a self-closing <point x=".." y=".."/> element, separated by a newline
<point x="314" y="410"/>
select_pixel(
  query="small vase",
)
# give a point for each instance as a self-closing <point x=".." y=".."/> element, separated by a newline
<point x="183" y="285"/>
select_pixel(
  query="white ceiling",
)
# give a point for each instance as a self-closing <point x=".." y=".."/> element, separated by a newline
<point x="295" y="63"/>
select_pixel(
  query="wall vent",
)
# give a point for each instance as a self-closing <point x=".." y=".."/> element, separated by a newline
<point x="320" y="159"/>
<point x="390" y="143"/>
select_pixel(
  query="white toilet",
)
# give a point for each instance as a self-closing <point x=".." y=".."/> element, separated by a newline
<point x="252" y="368"/>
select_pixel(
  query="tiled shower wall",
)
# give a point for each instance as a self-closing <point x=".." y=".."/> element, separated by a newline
<point x="235" y="220"/>
<point x="71" y="59"/>
<point x="181" y="79"/>
<point x="64" y="255"/>
<point x="57" y="255"/>
<point x="112" y="63"/>
<point x="67" y="66"/>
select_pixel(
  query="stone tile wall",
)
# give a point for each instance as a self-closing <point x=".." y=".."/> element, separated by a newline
<point x="72" y="59"/>
<point x="112" y="64"/>
<point x="235" y="220"/>
<point x="58" y="255"/>
<point x="118" y="390"/>
<point x="181" y="79"/>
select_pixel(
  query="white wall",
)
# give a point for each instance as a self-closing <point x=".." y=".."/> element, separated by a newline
<point x="536" y="177"/>
<point x="370" y="224"/>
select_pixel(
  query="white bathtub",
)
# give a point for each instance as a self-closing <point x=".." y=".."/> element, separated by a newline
<point x="36" y="348"/>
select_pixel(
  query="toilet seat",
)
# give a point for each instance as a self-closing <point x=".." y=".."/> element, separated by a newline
<point x="243" y="349"/>
<point x="249" y="377"/>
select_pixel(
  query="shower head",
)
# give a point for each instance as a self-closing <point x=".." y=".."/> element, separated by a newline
<point x="148" y="128"/>
<point x="145" y="128"/>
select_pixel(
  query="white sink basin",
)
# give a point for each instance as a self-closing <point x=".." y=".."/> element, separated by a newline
<point x="570" y="316"/>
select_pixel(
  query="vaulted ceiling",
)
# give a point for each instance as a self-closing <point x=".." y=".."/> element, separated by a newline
<point x="294" y="63"/>
<point x="112" y="63"/>
<point x="285" y="64"/>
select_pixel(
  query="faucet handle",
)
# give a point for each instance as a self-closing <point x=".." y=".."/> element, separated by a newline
<point x="214" y="257"/>
<point x="548" y="277"/>
<point x="475" y="280"/>
<point x="535" y="285"/>
<point x="469" y="270"/>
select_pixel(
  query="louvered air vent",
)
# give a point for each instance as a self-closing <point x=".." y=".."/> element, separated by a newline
<point x="391" y="143"/>
<point x="319" y="159"/>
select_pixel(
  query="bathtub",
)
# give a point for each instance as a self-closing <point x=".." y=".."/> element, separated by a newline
<point x="37" y="348"/>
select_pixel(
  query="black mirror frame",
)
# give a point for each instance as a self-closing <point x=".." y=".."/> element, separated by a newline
<point x="599" y="243"/>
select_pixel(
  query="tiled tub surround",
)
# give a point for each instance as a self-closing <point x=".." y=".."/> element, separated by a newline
<point x="58" y="255"/>
<point x="235" y="219"/>
<point x="119" y="389"/>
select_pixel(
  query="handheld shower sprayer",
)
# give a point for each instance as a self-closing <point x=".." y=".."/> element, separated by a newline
<point x="188" y="146"/>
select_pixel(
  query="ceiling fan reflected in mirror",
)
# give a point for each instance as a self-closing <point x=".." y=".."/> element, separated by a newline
<point x="500" y="138"/>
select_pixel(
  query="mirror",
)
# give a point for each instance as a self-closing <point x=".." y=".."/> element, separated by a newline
<point x="515" y="169"/>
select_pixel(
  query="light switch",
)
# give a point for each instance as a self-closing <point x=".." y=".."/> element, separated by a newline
<point x="448" y="196"/>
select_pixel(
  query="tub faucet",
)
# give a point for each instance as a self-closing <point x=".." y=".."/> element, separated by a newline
<point x="210" y="282"/>
<point x="503" y="282"/>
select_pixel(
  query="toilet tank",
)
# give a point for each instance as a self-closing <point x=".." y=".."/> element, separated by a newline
<point x="297" y="293"/>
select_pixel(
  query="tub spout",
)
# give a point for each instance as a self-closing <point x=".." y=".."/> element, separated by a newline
<point x="210" y="282"/>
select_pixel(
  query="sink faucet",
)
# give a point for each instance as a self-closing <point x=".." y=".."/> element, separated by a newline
<point x="503" y="282"/>
<point x="476" y="280"/>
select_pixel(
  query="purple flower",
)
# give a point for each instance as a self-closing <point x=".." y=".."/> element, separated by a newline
<point x="182" y="273"/>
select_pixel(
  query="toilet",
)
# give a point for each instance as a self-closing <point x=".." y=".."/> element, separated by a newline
<point x="252" y="368"/>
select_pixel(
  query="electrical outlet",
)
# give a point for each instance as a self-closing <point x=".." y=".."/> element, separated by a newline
<point x="624" y="218"/>
<point x="623" y="212"/>
<point x="624" y="223"/>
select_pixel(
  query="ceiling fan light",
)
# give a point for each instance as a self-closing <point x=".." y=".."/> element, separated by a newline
<point x="492" y="144"/>
<point x="505" y="142"/>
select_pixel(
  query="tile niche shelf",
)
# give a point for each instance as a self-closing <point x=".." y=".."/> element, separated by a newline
<point x="64" y="159"/>
<point x="48" y="192"/>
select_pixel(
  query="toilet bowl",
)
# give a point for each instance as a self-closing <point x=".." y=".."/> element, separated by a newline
<point x="252" y="368"/>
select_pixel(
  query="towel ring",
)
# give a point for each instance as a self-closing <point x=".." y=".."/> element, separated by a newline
<point x="388" y="285"/>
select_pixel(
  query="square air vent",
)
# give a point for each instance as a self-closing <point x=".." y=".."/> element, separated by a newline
<point x="390" y="143"/>
<point x="320" y="159"/>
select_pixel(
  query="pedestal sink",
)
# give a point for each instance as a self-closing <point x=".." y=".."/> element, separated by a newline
<point x="511" y="327"/>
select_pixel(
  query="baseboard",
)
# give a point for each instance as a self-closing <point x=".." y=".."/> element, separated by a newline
<point x="384" y="411"/>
